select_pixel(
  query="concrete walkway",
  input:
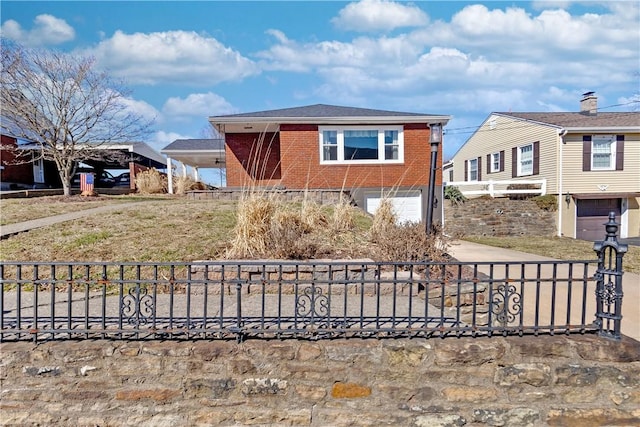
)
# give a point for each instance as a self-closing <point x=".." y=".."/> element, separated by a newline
<point x="474" y="252"/>
<point x="20" y="227"/>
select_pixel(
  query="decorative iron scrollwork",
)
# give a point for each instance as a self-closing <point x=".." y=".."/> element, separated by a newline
<point x="608" y="294"/>
<point x="312" y="306"/>
<point x="506" y="303"/>
<point x="137" y="306"/>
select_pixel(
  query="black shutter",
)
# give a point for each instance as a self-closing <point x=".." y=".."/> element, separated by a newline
<point x="619" y="152"/>
<point x="514" y="162"/>
<point x="466" y="170"/>
<point x="586" y="153"/>
<point x="536" y="157"/>
<point x="501" y="161"/>
<point x="489" y="163"/>
<point x="479" y="168"/>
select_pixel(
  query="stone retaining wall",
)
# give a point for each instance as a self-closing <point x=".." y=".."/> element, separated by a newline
<point x="515" y="381"/>
<point x="498" y="217"/>
<point x="328" y="197"/>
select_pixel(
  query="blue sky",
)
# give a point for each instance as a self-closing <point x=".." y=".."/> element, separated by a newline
<point x="186" y="61"/>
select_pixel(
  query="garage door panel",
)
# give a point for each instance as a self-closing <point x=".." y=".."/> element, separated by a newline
<point x="592" y="214"/>
<point x="407" y="207"/>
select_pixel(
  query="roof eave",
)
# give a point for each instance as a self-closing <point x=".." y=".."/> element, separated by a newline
<point x="332" y="120"/>
<point x="603" y="129"/>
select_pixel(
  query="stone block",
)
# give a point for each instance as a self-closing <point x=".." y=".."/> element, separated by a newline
<point x="263" y="386"/>
<point x="342" y="390"/>
<point x="577" y="376"/>
<point x="468" y="352"/>
<point x="440" y="420"/>
<point x="157" y="395"/>
<point x="521" y="417"/>
<point x="469" y="394"/>
<point x="535" y="374"/>
<point x="592" y="417"/>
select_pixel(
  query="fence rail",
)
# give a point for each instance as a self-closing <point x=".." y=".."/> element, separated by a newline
<point x="501" y="188"/>
<point x="316" y="299"/>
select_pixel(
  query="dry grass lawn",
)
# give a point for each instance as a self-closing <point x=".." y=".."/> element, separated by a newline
<point x="558" y="247"/>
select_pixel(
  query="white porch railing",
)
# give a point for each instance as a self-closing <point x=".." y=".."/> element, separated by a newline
<point x="498" y="188"/>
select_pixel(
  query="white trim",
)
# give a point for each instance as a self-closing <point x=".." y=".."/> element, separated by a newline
<point x="519" y="159"/>
<point x="612" y="152"/>
<point x="497" y="169"/>
<point x="169" y="175"/>
<point x="624" y="218"/>
<point x="381" y="145"/>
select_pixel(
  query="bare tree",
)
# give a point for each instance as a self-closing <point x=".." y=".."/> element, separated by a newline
<point x="65" y="106"/>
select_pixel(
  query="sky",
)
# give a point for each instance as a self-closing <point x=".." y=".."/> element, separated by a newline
<point x="185" y="61"/>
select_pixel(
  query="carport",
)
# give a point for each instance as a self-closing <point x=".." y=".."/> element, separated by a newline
<point x="195" y="153"/>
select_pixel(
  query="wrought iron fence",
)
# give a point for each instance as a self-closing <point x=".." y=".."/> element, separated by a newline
<point x="314" y="299"/>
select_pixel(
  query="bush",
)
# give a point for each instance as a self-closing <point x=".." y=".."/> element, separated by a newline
<point x="454" y="194"/>
<point x="410" y="242"/>
<point x="384" y="221"/>
<point x="151" y="182"/>
<point x="548" y="202"/>
<point x="185" y="183"/>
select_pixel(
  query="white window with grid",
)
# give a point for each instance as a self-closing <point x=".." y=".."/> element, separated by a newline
<point x="525" y="160"/>
<point x="603" y="152"/>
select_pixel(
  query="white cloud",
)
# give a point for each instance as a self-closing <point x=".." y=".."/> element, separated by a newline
<point x="172" y="57"/>
<point x="198" y="104"/>
<point x="141" y="108"/>
<point x="47" y="30"/>
<point x="514" y="56"/>
<point x="379" y="15"/>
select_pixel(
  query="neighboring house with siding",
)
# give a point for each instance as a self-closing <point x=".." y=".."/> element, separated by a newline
<point x="589" y="159"/>
<point x="370" y="153"/>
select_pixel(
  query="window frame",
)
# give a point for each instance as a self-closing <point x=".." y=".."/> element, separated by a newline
<point x="495" y="158"/>
<point x="382" y="146"/>
<point x="519" y="161"/>
<point x="612" y="152"/>
<point x="469" y="169"/>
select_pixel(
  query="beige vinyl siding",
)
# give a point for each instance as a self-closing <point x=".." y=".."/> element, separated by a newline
<point x="502" y="133"/>
<point x="597" y="181"/>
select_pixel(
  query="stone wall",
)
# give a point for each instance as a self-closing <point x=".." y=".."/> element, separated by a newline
<point x="514" y="381"/>
<point x="498" y="217"/>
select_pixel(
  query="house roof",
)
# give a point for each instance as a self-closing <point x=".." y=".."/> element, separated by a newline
<point x="580" y="121"/>
<point x="194" y="145"/>
<point x="203" y="153"/>
<point x="319" y="114"/>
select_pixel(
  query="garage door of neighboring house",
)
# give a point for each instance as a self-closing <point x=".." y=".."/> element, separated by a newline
<point x="592" y="214"/>
<point x="406" y="205"/>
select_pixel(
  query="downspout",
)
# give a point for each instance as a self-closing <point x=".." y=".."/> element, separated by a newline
<point x="561" y="134"/>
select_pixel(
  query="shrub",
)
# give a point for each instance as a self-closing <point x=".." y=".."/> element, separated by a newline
<point x="151" y="182"/>
<point x="289" y="236"/>
<point x="548" y="202"/>
<point x="344" y="214"/>
<point x="253" y="223"/>
<point x="520" y="196"/>
<point x="454" y="194"/>
<point x="186" y="183"/>
<point x="410" y="242"/>
<point x="384" y="220"/>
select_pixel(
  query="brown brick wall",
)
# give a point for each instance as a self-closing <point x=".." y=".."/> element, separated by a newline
<point x="299" y="168"/>
<point x="19" y="173"/>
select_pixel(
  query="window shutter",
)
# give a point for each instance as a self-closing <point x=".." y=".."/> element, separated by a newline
<point x="586" y="153"/>
<point x="466" y="170"/>
<point x="514" y="162"/>
<point x="489" y="163"/>
<point x="479" y="168"/>
<point x="502" y="161"/>
<point x="619" y="152"/>
<point x="536" y="157"/>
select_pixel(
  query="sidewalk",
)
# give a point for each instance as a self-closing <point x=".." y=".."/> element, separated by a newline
<point x="19" y="227"/>
<point x="474" y="252"/>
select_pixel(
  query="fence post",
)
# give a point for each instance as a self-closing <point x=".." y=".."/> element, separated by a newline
<point x="609" y="281"/>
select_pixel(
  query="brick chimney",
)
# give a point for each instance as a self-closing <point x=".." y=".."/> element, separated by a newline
<point x="589" y="103"/>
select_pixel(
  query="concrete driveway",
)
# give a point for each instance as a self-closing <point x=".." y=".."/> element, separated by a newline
<point x="474" y="252"/>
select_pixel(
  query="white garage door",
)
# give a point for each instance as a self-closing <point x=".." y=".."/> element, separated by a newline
<point x="407" y="205"/>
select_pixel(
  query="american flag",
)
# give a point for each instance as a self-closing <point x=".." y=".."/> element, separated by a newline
<point x="86" y="182"/>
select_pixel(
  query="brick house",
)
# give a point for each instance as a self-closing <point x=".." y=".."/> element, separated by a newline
<point x="370" y="153"/>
